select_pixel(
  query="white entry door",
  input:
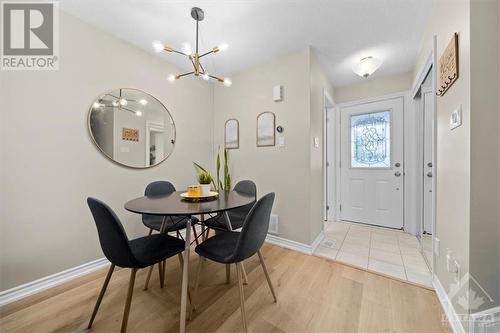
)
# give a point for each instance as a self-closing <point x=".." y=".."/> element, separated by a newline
<point x="371" y="167"/>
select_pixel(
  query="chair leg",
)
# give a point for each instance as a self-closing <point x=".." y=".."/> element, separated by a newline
<point x="261" y="258"/>
<point x="126" y="311"/>
<point x="195" y="235"/>
<point x="242" y="297"/>
<point x="196" y="285"/>
<point x="101" y="295"/>
<point x="164" y="270"/>
<point x="228" y="274"/>
<point x="181" y="262"/>
<point x="160" y="273"/>
<point x="150" y="232"/>
<point x="244" y="272"/>
<point x="149" y="277"/>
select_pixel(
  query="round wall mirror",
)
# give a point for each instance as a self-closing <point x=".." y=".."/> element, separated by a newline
<point x="131" y="128"/>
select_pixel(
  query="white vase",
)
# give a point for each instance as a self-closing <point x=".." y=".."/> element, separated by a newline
<point x="205" y="189"/>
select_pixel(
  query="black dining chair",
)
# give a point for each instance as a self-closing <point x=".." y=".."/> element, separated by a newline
<point x="134" y="254"/>
<point x="236" y="218"/>
<point x="170" y="223"/>
<point x="235" y="247"/>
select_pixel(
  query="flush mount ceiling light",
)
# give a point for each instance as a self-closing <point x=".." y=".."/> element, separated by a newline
<point x="198" y="70"/>
<point x="366" y="66"/>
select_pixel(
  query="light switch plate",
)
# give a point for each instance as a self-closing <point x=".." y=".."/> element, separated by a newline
<point x="278" y="93"/>
<point x="456" y="118"/>
<point x="281" y="141"/>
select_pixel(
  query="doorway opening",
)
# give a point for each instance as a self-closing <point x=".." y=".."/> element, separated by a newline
<point x="329" y="149"/>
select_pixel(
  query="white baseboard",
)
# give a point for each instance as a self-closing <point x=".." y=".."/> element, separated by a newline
<point x="293" y="245"/>
<point x="447" y="306"/>
<point x="30" y="288"/>
<point x="487" y="321"/>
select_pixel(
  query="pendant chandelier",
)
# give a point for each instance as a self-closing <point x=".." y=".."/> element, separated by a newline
<point x="198" y="70"/>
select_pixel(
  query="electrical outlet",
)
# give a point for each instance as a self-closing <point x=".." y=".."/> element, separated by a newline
<point x="449" y="267"/>
<point x="457" y="270"/>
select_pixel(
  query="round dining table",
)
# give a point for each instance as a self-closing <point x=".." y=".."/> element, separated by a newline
<point x="174" y="204"/>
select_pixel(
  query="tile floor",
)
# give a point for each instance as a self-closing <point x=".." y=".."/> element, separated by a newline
<point x="386" y="251"/>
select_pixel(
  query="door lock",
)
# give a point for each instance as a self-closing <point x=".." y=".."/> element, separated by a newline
<point x="429" y="174"/>
<point x="397" y="174"/>
<point x="429" y="164"/>
<point x="397" y="164"/>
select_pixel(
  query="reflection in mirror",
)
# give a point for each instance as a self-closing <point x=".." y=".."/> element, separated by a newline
<point x="132" y="128"/>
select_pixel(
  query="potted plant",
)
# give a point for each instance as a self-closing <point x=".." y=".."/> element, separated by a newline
<point x="205" y="179"/>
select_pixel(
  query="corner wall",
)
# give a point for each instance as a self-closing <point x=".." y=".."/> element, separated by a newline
<point x="49" y="165"/>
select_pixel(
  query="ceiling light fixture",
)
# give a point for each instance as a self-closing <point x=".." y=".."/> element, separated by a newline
<point x="367" y="66"/>
<point x="194" y="57"/>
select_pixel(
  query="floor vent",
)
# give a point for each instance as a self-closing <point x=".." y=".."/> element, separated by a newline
<point x="273" y="224"/>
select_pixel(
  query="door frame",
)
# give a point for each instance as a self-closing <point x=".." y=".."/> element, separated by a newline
<point x="406" y="98"/>
<point x="329" y="203"/>
<point x="422" y="73"/>
<point x="152" y="126"/>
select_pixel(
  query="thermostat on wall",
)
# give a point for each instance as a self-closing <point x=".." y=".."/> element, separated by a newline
<point x="278" y="93"/>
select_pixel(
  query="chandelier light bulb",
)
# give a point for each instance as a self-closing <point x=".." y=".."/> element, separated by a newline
<point x="367" y="66"/>
<point x="158" y="46"/>
<point x="123" y="102"/>
<point x="138" y="113"/>
<point x="96" y="105"/>
<point x="223" y="47"/>
<point x="187" y="49"/>
<point x="228" y="82"/>
<point x="114" y="103"/>
<point x="171" y="78"/>
<point x="143" y="102"/>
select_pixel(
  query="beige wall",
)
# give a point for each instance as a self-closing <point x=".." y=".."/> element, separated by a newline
<point x="49" y="164"/>
<point x="374" y="87"/>
<point x="293" y="171"/>
<point x="485" y="140"/>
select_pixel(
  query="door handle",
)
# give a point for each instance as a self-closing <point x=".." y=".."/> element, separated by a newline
<point x="429" y="174"/>
<point x="397" y="174"/>
<point x="429" y="164"/>
<point x="397" y="164"/>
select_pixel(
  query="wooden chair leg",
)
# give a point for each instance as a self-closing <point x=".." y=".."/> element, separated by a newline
<point x="181" y="262"/>
<point x="228" y="274"/>
<point x="196" y="285"/>
<point x="261" y="258"/>
<point x="160" y="273"/>
<point x="148" y="277"/>
<point x="126" y="311"/>
<point x="150" y="232"/>
<point x="164" y="270"/>
<point x="242" y="297"/>
<point x="195" y="235"/>
<point x="244" y="272"/>
<point x="101" y="295"/>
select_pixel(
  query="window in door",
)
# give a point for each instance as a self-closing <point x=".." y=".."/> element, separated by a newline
<point x="371" y="140"/>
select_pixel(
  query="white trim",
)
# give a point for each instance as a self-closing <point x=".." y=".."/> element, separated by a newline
<point x="326" y="200"/>
<point x="33" y="287"/>
<point x="422" y="75"/>
<point x="490" y="317"/>
<point x="296" y="246"/>
<point x="447" y="306"/>
<point x="373" y="99"/>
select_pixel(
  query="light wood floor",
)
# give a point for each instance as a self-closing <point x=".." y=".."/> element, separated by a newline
<point x="314" y="295"/>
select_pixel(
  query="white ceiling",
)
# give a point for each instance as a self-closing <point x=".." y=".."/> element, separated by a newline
<point x="340" y="31"/>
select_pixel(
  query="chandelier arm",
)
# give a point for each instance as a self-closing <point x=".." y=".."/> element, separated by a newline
<point x="179" y="52"/>
<point x="183" y="74"/>
<point x="192" y="62"/>
<point x="202" y="69"/>
<point x="207" y="53"/>
<point x="216" y="78"/>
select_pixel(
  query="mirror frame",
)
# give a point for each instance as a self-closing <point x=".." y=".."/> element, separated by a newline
<point x="90" y="108"/>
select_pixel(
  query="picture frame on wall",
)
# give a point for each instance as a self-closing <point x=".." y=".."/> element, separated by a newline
<point x="232" y="134"/>
<point x="265" y="129"/>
